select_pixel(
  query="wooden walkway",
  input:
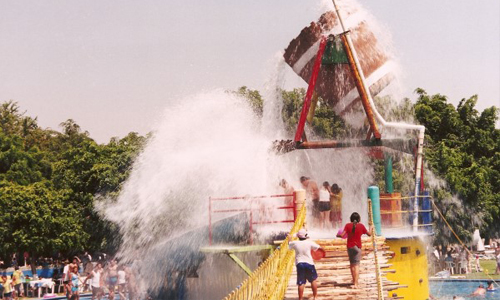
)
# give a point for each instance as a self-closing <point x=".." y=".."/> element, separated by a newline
<point x="334" y="275"/>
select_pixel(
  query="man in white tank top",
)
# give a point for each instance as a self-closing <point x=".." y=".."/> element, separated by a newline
<point x="96" y="275"/>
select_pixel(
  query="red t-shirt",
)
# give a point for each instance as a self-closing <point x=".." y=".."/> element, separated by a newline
<point x="354" y="239"/>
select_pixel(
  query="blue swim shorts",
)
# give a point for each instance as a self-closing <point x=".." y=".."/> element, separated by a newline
<point x="305" y="272"/>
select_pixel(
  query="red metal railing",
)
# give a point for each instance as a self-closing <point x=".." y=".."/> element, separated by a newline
<point x="251" y="208"/>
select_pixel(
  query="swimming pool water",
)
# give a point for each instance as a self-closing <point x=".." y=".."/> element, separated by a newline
<point x="446" y="289"/>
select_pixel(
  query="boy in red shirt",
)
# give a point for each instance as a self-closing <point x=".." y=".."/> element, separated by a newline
<point x="354" y="231"/>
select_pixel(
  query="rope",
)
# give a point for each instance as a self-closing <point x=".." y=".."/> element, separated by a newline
<point x="380" y="288"/>
<point x="453" y="231"/>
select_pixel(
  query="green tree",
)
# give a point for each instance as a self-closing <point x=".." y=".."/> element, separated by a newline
<point x="463" y="147"/>
<point x="63" y="172"/>
<point x="38" y="219"/>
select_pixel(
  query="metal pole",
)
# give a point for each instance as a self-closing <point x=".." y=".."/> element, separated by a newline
<point x="379" y="117"/>
<point x="210" y="221"/>
<point x="251" y="226"/>
<point x="418" y="174"/>
<point x="310" y="90"/>
<point x="294" y="206"/>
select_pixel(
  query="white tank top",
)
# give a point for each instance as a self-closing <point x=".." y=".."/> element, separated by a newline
<point x="324" y="195"/>
<point x="96" y="279"/>
<point x="121" y="277"/>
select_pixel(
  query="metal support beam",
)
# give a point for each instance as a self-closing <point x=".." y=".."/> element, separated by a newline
<point x="363" y="93"/>
<point x="240" y="263"/>
<point x="231" y="250"/>
<point x="310" y="90"/>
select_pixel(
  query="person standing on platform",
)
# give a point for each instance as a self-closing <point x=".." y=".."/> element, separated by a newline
<point x="354" y="232"/>
<point x="306" y="271"/>
<point x="312" y="194"/>
<point x="324" y="205"/>
<point x="336" y="206"/>
<point x="288" y="190"/>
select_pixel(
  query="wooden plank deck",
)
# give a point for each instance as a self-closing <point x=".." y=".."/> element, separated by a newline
<point x="334" y="275"/>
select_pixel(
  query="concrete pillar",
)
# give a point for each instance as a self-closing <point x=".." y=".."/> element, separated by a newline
<point x="374" y="195"/>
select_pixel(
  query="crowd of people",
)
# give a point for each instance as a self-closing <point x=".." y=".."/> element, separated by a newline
<point x="11" y="286"/>
<point x="103" y="277"/>
<point x="457" y="259"/>
<point x="325" y="202"/>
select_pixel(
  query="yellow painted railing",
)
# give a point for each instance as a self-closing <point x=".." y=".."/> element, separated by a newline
<point x="270" y="279"/>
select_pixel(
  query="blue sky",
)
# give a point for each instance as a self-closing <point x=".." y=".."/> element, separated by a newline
<point x="113" y="66"/>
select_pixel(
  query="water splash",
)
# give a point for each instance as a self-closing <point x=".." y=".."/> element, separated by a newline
<point x="212" y="144"/>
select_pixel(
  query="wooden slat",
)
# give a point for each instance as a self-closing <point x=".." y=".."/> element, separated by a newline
<point x="334" y="275"/>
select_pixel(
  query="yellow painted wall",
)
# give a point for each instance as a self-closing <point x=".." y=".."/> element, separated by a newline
<point x="411" y="268"/>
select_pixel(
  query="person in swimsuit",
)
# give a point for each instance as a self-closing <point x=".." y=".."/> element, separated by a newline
<point x="288" y="190"/>
<point x="112" y="278"/>
<point x="74" y="283"/>
<point x="324" y="205"/>
<point x="312" y="194"/>
<point x="336" y="205"/>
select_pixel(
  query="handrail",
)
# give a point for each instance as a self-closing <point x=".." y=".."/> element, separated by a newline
<point x="251" y="209"/>
<point x="270" y="279"/>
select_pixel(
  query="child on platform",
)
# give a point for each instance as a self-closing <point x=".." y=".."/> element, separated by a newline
<point x="354" y="232"/>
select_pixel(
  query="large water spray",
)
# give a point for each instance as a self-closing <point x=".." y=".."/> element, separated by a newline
<point x="213" y="144"/>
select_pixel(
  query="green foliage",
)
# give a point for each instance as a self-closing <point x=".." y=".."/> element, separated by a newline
<point x="49" y="182"/>
<point x="254" y="99"/>
<point x="325" y="123"/>
<point x="463" y="147"/>
<point x="39" y="219"/>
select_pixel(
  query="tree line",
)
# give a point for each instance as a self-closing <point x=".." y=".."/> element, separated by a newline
<point x="50" y="180"/>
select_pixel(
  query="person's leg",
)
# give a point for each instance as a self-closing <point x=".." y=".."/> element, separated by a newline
<point x="301" y="278"/>
<point x="356" y="275"/>
<point x="67" y="290"/>
<point x="322" y="219"/>
<point x="112" y="292"/>
<point x="301" y="291"/>
<point x="351" y="267"/>
<point x="314" y="286"/>
<point x="121" y="291"/>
